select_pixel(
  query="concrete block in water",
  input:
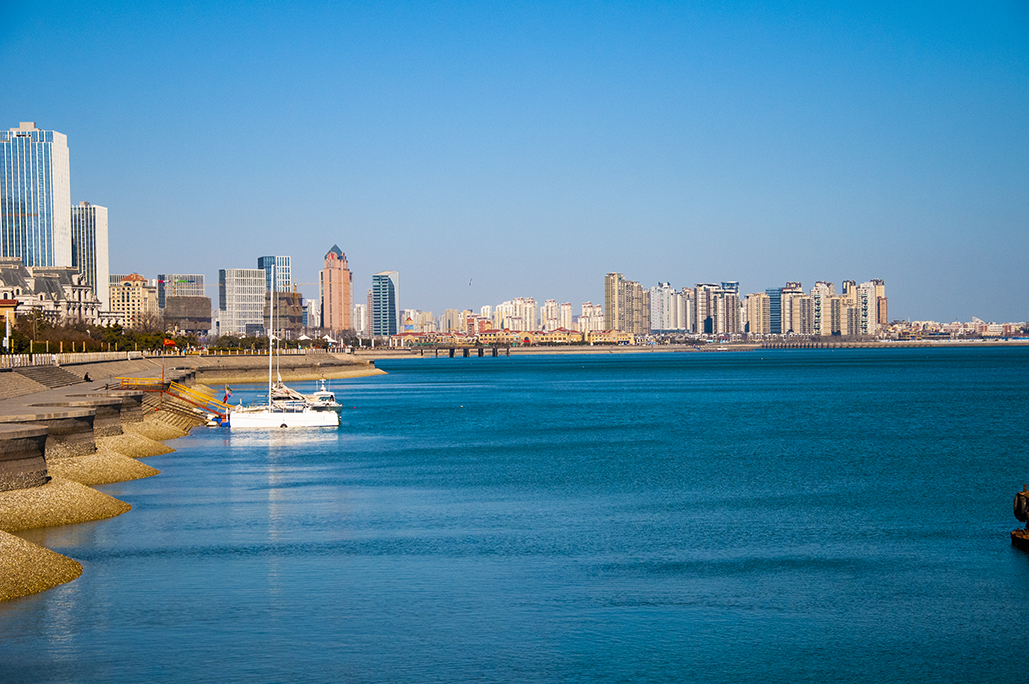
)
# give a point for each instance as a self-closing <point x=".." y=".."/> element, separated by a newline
<point x="22" y="462"/>
<point x="107" y="421"/>
<point x="69" y="431"/>
<point x="131" y="403"/>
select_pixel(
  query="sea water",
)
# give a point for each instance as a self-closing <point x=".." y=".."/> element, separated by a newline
<point x="774" y="516"/>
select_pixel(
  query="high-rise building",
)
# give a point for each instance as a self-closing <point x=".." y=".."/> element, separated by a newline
<point x="802" y="314"/>
<point x="336" y="284"/>
<point x="312" y="313"/>
<point x="775" y="326"/>
<point x="786" y="295"/>
<point x="670" y="309"/>
<point x="283" y="272"/>
<point x="820" y="296"/>
<point x="385" y="293"/>
<point x="882" y="316"/>
<point x="564" y="316"/>
<point x="89" y="249"/>
<point x="35" y="196"/>
<point x="704" y="308"/>
<point x="717" y="308"/>
<point x="592" y="318"/>
<point x="758" y="306"/>
<point x="626" y="305"/>
<point x="178" y="285"/>
<point x="241" y="295"/>
<point x="549" y="320"/>
<point x="518" y="314"/>
<point x="453" y="320"/>
<point x="360" y="319"/>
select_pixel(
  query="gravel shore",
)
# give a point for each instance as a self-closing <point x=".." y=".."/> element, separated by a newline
<point x="58" y="502"/>
<point x="26" y="568"/>
<point x="103" y="467"/>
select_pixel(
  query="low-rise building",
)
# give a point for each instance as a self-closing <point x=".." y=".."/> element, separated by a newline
<point x="60" y="294"/>
<point x="135" y="299"/>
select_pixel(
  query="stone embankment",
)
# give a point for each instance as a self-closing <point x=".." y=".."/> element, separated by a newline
<point x="231" y="369"/>
<point x="58" y="436"/>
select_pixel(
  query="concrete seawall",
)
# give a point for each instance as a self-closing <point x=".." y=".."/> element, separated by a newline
<point x="54" y="443"/>
<point x="222" y="370"/>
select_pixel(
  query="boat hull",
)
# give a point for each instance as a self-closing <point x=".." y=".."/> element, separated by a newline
<point x="282" y="419"/>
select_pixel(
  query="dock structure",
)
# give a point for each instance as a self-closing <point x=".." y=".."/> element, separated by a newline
<point x="466" y="351"/>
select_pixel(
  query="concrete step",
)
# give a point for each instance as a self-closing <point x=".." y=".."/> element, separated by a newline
<point x="14" y="385"/>
<point x="51" y="376"/>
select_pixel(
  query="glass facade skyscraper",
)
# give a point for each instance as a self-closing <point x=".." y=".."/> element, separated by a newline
<point x="35" y="196"/>
<point x="385" y="288"/>
<point x="774" y="309"/>
<point x="283" y="273"/>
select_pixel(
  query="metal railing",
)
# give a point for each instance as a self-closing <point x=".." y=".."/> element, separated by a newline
<point x="26" y="360"/>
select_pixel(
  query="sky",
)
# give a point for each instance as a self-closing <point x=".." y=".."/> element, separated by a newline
<point x="493" y="150"/>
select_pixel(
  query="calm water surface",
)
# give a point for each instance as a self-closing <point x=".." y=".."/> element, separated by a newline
<point x="767" y="516"/>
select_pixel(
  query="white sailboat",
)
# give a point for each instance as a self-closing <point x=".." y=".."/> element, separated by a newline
<point x="280" y="413"/>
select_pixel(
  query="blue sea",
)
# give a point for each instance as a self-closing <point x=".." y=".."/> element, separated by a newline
<point x="765" y="516"/>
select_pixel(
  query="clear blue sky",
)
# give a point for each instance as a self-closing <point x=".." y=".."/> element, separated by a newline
<point x="532" y="147"/>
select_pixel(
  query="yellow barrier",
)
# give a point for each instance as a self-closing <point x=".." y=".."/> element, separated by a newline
<point x="187" y="394"/>
<point x="196" y="397"/>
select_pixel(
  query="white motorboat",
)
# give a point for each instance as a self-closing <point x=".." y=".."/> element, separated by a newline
<point x="324" y="400"/>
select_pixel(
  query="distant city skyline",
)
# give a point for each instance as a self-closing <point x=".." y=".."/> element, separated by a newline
<point x="489" y="152"/>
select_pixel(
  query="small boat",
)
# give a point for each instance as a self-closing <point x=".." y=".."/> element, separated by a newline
<point x="286" y="408"/>
<point x="324" y="400"/>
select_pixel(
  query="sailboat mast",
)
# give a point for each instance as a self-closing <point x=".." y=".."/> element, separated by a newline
<point x="271" y="318"/>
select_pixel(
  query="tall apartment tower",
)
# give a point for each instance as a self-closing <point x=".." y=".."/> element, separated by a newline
<point x="283" y="272"/>
<point x="822" y="294"/>
<point x="882" y="316"/>
<point x="564" y="316"/>
<point x="759" y="319"/>
<point x="89" y="249"/>
<point x="626" y="305"/>
<point x="385" y="293"/>
<point x="786" y="295"/>
<point x="35" y="196"/>
<point x="336" y="284"/>
<point x="704" y="308"/>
